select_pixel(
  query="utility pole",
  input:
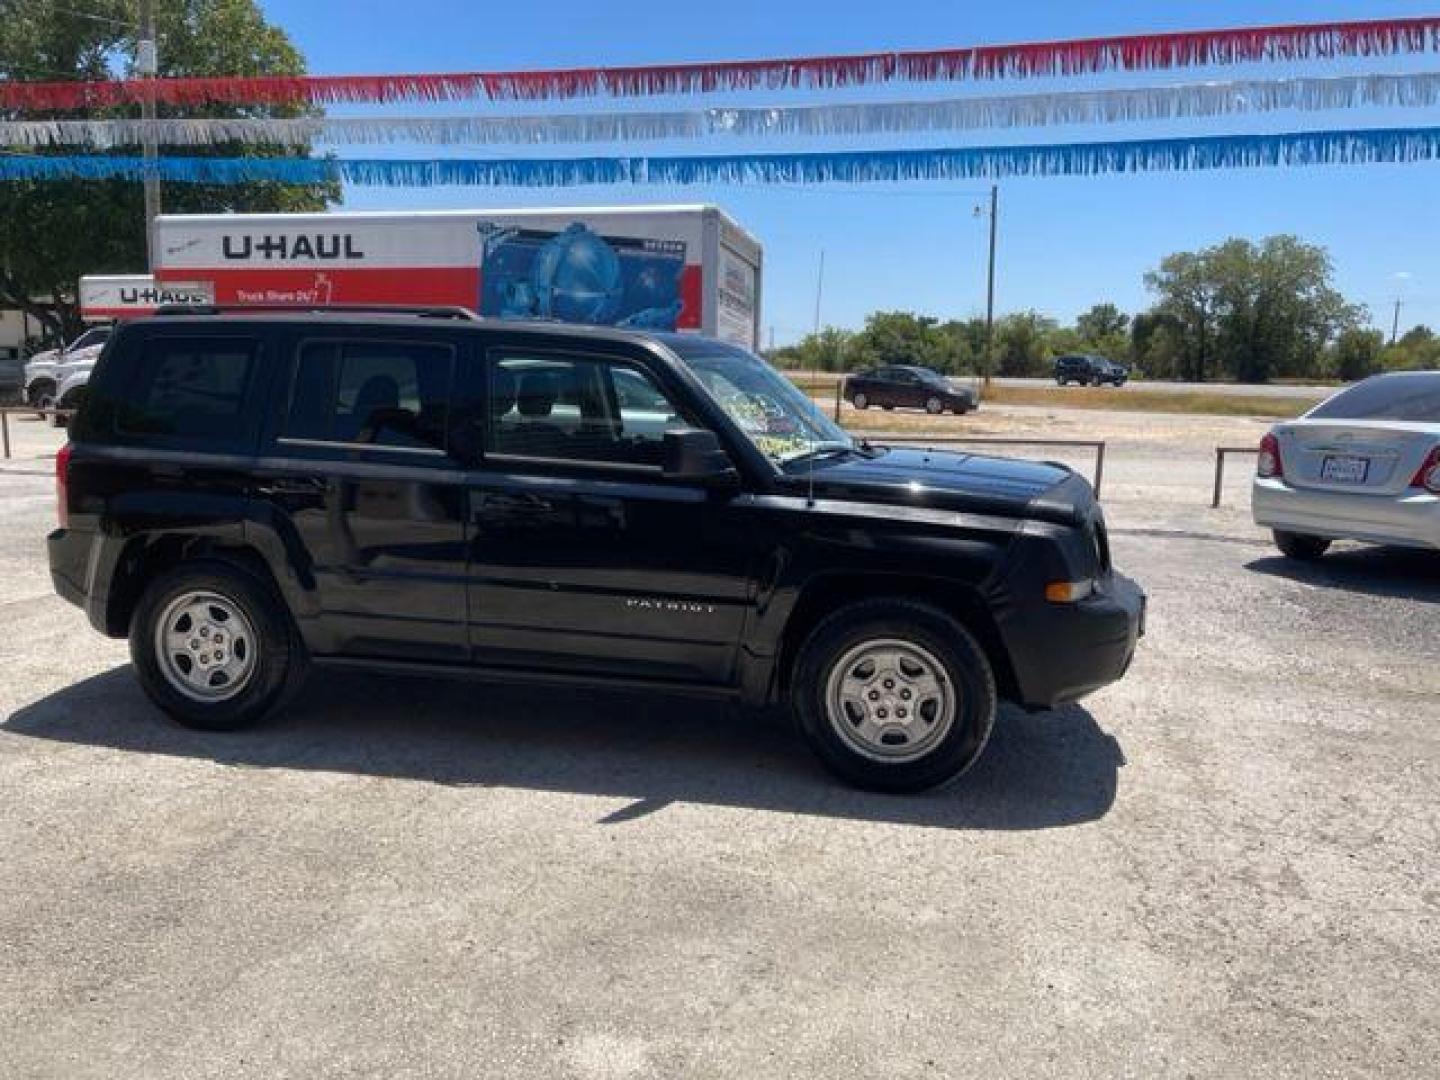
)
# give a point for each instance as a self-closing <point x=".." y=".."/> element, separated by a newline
<point x="819" y="289"/>
<point x="1395" y="326"/>
<point x="147" y="66"/>
<point x="990" y="287"/>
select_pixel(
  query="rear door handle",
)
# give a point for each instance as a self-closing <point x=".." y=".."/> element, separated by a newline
<point x="307" y="485"/>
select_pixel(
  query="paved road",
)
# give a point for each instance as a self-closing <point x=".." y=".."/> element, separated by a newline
<point x="1224" y="866"/>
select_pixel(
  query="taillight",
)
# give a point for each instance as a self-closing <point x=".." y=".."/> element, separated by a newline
<point x="1269" y="465"/>
<point x="1428" y="475"/>
<point x="62" y="485"/>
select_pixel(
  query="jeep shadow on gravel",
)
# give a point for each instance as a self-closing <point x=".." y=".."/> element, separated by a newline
<point x="246" y="494"/>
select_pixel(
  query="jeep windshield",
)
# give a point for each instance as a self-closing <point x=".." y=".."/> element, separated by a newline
<point x="772" y="411"/>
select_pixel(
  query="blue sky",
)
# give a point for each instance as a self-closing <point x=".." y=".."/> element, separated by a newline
<point x="1065" y="243"/>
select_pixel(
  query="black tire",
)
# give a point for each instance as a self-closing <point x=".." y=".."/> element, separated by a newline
<point x="279" y="660"/>
<point x="42" y="396"/>
<point x="943" y="638"/>
<point x="1062" y="382"/>
<point x="934" y="406"/>
<point x="1301" y="546"/>
<point x="861" y="402"/>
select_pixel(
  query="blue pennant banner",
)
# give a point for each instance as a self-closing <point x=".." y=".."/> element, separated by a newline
<point x="1356" y="147"/>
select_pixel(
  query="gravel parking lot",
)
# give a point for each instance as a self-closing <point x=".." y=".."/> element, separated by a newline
<point x="1226" y="865"/>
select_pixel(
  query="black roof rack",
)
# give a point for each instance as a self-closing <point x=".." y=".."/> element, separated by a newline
<point x="424" y="312"/>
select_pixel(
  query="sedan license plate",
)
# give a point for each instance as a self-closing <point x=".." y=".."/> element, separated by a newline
<point x="1345" y="470"/>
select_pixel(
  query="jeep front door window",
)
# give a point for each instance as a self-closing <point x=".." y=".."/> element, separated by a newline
<point x="590" y="410"/>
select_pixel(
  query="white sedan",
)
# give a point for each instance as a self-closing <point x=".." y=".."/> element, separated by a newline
<point x="1363" y="465"/>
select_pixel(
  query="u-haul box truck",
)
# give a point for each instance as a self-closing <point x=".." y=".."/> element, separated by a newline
<point x="128" y="296"/>
<point x="656" y="267"/>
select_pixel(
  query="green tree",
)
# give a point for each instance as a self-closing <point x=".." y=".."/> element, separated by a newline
<point x="1248" y="311"/>
<point x="1418" y="349"/>
<point x="1357" y="353"/>
<point x="965" y="345"/>
<point x="1020" y="343"/>
<point x="1186" y="312"/>
<point x="1104" y="329"/>
<point x="52" y="232"/>
<point x="829" y="350"/>
<point x="901" y="337"/>
<point x="1278" y="308"/>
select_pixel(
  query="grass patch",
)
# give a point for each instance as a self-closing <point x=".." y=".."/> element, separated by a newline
<point x="1194" y="402"/>
<point x="1149" y="400"/>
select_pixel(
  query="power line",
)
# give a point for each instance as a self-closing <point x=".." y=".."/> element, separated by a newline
<point x="93" y="17"/>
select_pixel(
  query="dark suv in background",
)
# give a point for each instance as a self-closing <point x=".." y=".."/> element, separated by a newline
<point x="1089" y="371"/>
<point x="245" y="495"/>
<point x="906" y="387"/>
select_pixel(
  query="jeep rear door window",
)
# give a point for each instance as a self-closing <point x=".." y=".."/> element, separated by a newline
<point x="374" y="393"/>
<point x="583" y="409"/>
<point x="190" y="388"/>
<point x="1413" y="398"/>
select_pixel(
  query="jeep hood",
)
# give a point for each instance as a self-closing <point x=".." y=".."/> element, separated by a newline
<point x="947" y="480"/>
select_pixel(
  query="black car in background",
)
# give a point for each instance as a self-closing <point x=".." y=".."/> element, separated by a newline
<point x="907" y="387"/>
<point x="247" y="495"/>
<point x="1089" y="371"/>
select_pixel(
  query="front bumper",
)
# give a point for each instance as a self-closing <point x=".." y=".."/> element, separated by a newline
<point x="1411" y="519"/>
<point x="1062" y="652"/>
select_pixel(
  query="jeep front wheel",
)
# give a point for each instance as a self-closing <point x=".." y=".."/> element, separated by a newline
<point x="894" y="695"/>
<point x="213" y="646"/>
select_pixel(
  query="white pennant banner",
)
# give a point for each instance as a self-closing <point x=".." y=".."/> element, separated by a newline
<point x="1415" y="91"/>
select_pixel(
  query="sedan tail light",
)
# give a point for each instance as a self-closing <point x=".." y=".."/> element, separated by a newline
<point x="1269" y="466"/>
<point x="1428" y="476"/>
<point x="62" y="485"/>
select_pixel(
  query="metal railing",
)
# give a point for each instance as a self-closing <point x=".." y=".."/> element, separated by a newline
<point x="1221" y="452"/>
<point x="928" y="441"/>
<point x="25" y="410"/>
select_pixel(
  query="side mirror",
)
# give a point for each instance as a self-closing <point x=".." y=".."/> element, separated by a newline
<point x="695" y="455"/>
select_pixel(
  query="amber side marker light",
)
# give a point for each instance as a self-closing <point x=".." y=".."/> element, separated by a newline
<point x="1068" y="592"/>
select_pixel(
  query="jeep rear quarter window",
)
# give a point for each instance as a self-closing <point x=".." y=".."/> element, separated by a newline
<point x="193" y="389"/>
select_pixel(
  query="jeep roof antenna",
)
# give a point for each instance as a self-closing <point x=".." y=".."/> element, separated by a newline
<point x="810" y="450"/>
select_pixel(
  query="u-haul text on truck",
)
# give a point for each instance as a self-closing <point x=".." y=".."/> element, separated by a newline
<point x="660" y="268"/>
<point x="129" y="296"/>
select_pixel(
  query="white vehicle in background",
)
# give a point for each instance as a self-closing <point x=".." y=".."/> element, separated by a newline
<point x="1363" y="465"/>
<point x="46" y="371"/>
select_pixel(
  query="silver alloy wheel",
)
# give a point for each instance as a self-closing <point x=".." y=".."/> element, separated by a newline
<point x="206" y="647"/>
<point x="934" y="406"/>
<point x="890" y="700"/>
<point x="861" y="401"/>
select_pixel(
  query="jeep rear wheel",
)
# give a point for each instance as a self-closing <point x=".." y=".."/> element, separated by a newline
<point x="861" y="401"/>
<point x="934" y="406"/>
<point x="894" y="695"/>
<point x="213" y="646"/>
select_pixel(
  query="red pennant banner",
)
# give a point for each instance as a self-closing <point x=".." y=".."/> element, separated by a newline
<point x="1378" y="37"/>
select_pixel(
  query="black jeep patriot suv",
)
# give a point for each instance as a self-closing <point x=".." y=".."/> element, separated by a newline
<point x="245" y="494"/>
